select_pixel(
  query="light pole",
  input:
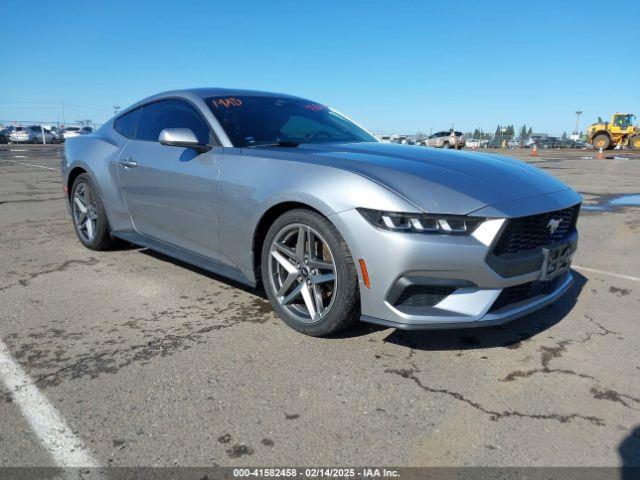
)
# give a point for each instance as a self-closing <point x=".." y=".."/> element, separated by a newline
<point x="578" y="113"/>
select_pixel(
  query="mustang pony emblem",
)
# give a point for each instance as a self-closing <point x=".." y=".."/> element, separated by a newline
<point x="553" y="225"/>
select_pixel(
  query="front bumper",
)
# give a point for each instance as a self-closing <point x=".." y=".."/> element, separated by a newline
<point x="490" y="319"/>
<point x="455" y="266"/>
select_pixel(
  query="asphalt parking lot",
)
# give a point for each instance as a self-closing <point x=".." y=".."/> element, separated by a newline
<point x="152" y="362"/>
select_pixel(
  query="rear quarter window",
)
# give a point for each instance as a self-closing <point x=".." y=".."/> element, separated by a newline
<point x="128" y="123"/>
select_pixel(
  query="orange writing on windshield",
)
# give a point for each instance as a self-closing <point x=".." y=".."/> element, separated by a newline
<point x="227" y="102"/>
<point x="315" y="107"/>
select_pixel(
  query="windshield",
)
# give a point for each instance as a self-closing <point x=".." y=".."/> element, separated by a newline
<point x="624" y="121"/>
<point x="255" y="120"/>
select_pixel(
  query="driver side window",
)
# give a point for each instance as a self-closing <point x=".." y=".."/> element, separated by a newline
<point x="157" y="116"/>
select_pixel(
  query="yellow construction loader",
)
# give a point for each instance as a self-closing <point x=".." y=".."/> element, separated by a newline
<point x="619" y="131"/>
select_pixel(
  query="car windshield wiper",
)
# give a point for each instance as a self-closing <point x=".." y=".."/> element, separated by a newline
<point x="284" y="143"/>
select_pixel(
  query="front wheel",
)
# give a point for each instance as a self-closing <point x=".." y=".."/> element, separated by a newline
<point x="89" y="218"/>
<point x="309" y="275"/>
<point x="602" y="141"/>
<point x="634" y="142"/>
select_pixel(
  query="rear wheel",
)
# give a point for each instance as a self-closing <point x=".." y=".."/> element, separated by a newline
<point x="601" y="141"/>
<point x="634" y="143"/>
<point x="309" y="275"/>
<point x="89" y="218"/>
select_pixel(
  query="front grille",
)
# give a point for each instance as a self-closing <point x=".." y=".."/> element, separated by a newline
<point x="525" y="291"/>
<point x="423" y="295"/>
<point x="527" y="233"/>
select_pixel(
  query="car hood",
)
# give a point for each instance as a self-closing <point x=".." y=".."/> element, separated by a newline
<point x="439" y="181"/>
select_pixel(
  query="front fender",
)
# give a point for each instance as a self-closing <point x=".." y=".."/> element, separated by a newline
<point x="250" y="186"/>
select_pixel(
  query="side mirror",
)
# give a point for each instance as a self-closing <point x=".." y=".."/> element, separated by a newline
<point x="182" y="137"/>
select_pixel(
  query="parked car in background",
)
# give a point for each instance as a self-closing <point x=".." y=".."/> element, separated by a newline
<point x="476" y="143"/>
<point x="32" y="134"/>
<point x="19" y="135"/>
<point x="56" y="131"/>
<point x="4" y="135"/>
<point x="582" y="145"/>
<point x="86" y="131"/>
<point x="70" y="132"/>
<point x="551" y="142"/>
<point x="446" y="139"/>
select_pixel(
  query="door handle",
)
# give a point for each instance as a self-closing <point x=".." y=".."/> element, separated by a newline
<point x="127" y="162"/>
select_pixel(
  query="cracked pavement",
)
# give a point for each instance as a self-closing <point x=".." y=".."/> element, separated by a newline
<point x="153" y="362"/>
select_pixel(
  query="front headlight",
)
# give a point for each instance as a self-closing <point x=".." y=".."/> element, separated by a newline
<point x="421" y="222"/>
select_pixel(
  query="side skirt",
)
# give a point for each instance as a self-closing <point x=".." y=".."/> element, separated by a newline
<point x="184" y="256"/>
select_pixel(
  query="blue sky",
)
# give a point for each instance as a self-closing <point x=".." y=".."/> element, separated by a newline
<point x="392" y="66"/>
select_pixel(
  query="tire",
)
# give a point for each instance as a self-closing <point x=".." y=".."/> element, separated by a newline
<point x="339" y="297"/>
<point x="36" y="140"/>
<point x="601" y="141"/>
<point x="446" y="145"/>
<point x="634" y="143"/>
<point x="96" y="237"/>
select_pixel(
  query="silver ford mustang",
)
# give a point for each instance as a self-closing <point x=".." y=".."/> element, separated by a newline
<point x="277" y="190"/>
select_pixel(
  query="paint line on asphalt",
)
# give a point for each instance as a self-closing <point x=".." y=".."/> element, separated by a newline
<point x="28" y="164"/>
<point x="604" y="272"/>
<point x="54" y="434"/>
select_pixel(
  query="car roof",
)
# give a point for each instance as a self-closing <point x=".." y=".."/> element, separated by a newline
<point x="209" y="92"/>
<point x="214" y="92"/>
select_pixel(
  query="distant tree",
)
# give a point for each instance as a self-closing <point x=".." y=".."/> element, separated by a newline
<point x="564" y="135"/>
<point x="523" y="133"/>
<point x="498" y="131"/>
<point x="420" y="136"/>
<point x="530" y="132"/>
<point x="600" y="120"/>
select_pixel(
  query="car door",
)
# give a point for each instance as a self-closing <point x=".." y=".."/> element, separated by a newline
<point x="170" y="192"/>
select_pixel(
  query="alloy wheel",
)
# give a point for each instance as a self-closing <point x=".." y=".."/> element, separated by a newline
<point x="85" y="214"/>
<point x="302" y="271"/>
